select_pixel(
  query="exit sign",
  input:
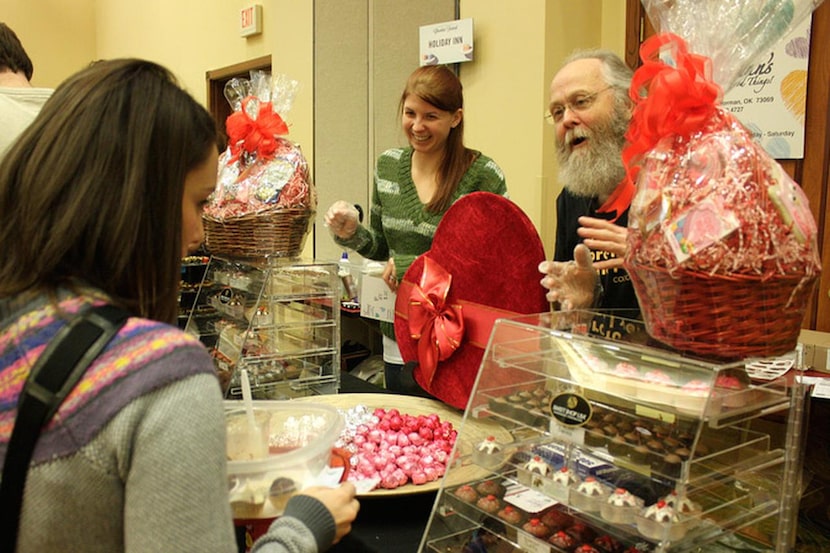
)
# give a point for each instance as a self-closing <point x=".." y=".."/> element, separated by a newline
<point x="250" y="20"/>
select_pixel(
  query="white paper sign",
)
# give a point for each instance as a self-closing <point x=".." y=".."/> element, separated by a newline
<point x="377" y="301"/>
<point x="821" y="385"/>
<point x="448" y="42"/>
<point x="770" y="98"/>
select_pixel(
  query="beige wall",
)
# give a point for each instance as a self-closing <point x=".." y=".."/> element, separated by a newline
<point x="506" y="87"/>
<point x="517" y="52"/>
<point x="59" y="35"/>
<point x="192" y="37"/>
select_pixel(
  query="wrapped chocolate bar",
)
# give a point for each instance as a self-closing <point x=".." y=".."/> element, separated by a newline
<point x="264" y="202"/>
<point x="722" y="244"/>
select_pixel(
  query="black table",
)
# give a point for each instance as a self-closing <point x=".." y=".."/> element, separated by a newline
<point x="389" y="524"/>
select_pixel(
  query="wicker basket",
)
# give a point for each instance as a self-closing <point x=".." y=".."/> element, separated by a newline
<point x="727" y="317"/>
<point x="276" y="233"/>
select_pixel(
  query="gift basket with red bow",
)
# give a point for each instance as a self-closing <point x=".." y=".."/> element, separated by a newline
<point x="722" y="244"/>
<point x="264" y="202"/>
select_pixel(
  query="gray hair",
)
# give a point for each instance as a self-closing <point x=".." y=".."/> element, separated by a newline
<point x="614" y="70"/>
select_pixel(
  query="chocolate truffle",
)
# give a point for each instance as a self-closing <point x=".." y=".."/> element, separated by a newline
<point x="536" y="528"/>
<point x="555" y="519"/>
<point x="607" y="544"/>
<point x="563" y="541"/>
<point x="617" y="446"/>
<point x="466" y="493"/>
<point x="640" y="454"/>
<point x="511" y="514"/>
<point x="672" y="465"/>
<point x="595" y="437"/>
<point x="489" y="504"/>
<point x="490" y="487"/>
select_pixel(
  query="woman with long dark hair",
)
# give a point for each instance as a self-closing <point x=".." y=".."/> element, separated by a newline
<point x="101" y="198"/>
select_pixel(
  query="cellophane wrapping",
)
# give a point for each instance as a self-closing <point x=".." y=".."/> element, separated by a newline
<point x="261" y="169"/>
<point x="713" y="211"/>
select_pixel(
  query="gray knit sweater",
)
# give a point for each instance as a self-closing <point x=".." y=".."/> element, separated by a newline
<point x="135" y="458"/>
<point x="400" y="225"/>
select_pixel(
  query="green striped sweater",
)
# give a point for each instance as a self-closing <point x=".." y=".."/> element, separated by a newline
<point x="400" y="226"/>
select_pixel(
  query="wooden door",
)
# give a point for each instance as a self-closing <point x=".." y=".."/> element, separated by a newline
<point x="216" y="79"/>
<point x="813" y="171"/>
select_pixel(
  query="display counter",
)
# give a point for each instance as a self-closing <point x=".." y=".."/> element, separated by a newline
<point x="391" y="524"/>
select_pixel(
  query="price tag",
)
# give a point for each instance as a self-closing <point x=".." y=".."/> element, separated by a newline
<point x="528" y="500"/>
<point x="572" y="434"/>
<point x="531" y="544"/>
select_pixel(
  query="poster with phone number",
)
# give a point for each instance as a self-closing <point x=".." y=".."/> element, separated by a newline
<point x="771" y="96"/>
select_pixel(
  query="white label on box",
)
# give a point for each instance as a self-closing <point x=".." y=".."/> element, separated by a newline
<point x="822" y="389"/>
<point x="526" y="499"/>
<point x="573" y="434"/>
<point x="377" y="301"/>
<point x="531" y="544"/>
<point x="821" y="385"/>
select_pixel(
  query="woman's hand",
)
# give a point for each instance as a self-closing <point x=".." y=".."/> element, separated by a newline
<point x="340" y="502"/>
<point x="390" y="275"/>
<point x="601" y="235"/>
<point x="342" y="219"/>
<point x="572" y="284"/>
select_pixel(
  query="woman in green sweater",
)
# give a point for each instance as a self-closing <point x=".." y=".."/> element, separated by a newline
<point x="413" y="188"/>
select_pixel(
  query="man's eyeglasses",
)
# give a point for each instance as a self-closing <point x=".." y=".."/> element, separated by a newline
<point x="577" y="103"/>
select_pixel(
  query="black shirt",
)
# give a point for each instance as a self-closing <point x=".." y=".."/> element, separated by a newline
<point x="619" y="292"/>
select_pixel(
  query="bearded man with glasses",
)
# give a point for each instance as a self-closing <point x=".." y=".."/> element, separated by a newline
<point x="590" y="110"/>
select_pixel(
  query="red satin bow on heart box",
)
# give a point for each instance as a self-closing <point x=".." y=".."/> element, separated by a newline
<point x="439" y="324"/>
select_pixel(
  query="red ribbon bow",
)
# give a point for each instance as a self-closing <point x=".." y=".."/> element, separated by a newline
<point x="437" y="325"/>
<point x="258" y="135"/>
<point x="673" y="93"/>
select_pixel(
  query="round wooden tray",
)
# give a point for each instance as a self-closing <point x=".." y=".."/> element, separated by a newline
<point x="475" y="431"/>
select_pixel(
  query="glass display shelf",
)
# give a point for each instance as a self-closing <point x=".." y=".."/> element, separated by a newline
<point x="279" y="319"/>
<point x="619" y="444"/>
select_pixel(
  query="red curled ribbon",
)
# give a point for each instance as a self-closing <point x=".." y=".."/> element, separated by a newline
<point x="258" y="135"/>
<point x="673" y="94"/>
<point x="437" y="325"/>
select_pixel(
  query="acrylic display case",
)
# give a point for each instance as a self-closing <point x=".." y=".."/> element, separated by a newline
<point x="279" y="319"/>
<point x="619" y="445"/>
<point x="192" y="274"/>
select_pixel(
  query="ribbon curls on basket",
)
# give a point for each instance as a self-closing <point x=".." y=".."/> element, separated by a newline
<point x="254" y="129"/>
<point x="673" y="94"/>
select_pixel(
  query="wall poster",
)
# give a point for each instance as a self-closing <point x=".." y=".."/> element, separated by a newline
<point x="771" y="96"/>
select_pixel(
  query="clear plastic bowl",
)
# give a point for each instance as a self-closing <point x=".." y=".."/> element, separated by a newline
<point x="300" y="440"/>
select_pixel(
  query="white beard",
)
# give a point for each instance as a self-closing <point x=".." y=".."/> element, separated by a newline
<point x="594" y="171"/>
